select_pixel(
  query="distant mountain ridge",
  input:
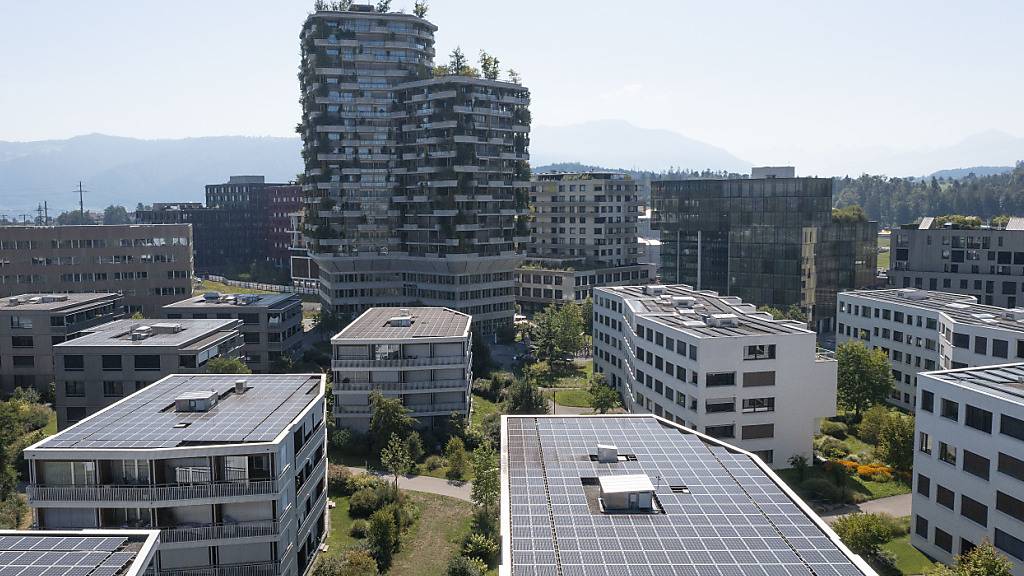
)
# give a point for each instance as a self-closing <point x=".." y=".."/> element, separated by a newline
<point x="959" y="173"/>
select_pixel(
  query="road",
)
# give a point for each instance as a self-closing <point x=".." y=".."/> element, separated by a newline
<point x="894" y="505"/>
<point x="440" y="486"/>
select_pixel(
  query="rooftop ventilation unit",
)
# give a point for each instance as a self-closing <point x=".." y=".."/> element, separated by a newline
<point x="654" y="290"/>
<point x="166" y="328"/>
<point x="684" y="301"/>
<point x="197" y="401"/>
<point x="1014" y="314"/>
<point x="208" y="296"/>
<point x="54" y="298"/>
<point x="723" y="320"/>
<point x="141" y="332"/>
<point x="626" y="493"/>
<point x="607" y="454"/>
<point x="912" y="294"/>
<point x="240" y="386"/>
<point x="13" y="301"/>
<point x="404" y="320"/>
<point x="246" y="299"/>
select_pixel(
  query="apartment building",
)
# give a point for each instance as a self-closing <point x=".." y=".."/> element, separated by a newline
<point x="77" y="552"/>
<point x="110" y="361"/>
<point x="969" y="463"/>
<point x="230" y="469"/>
<point x="986" y="262"/>
<point x="715" y="364"/>
<point x="150" y="265"/>
<point x="416" y="187"/>
<point x="271" y="323"/>
<point x="583" y="235"/>
<point x="922" y="330"/>
<point x="769" y="239"/>
<point x="421" y="355"/>
<point x="31" y="324"/>
<point x="281" y="202"/>
<point x="639" y="494"/>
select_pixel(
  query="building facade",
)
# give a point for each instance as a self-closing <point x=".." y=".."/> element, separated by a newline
<point x="110" y="361"/>
<point x="271" y="323"/>
<point x="422" y="356"/>
<point x="416" y="187"/>
<point x="714" y="364"/>
<point x="969" y="463"/>
<point x="770" y="240"/>
<point x="232" y="471"/>
<point x="583" y="234"/>
<point x="150" y="265"/>
<point x="31" y="324"/>
<point x="984" y="262"/>
<point x="281" y="202"/>
<point x="921" y="330"/>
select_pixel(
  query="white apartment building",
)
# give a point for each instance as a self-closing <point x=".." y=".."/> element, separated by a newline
<point x="715" y="364"/>
<point x="77" y="552"/>
<point x="969" y="462"/>
<point x="424" y="356"/>
<point x="230" y="469"/>
<point x="922" y="330"/>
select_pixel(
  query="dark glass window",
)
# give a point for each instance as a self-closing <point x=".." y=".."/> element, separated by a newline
<point x="1011" y="426"/>
<point x="720" y="379"/>
<point x="921" y="526"/>
<point x="973" y="510"/>
<point x="147" y="362"/>
<point x="961" y="340"/>
<point x="976" y="464"/>
<point x="728" y="431"/>
<point x="945" y="496"/>
<point x="113" y="388"/>
<point x="947" y="453"/>
<point x="755" y="431"/>
<point x="74" y="389"/>
<point x="978" y="418"/>
<point x="1011" y="466"/>
<point x="943" y="540"/>
<point x="924" y="485"/>
<point x="1009" y="544"/>
<point x="111" y="361"/>
<point x="1010" y="506"/>
<point x="22" y="341"/>
<point x="927" y="401"/>
<point x="74" y="363"/>
<point x="950" y="409"/>
<point x="1000" y="348"/>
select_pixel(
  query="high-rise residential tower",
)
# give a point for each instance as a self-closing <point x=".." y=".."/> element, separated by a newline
<point x="414" y="184"/>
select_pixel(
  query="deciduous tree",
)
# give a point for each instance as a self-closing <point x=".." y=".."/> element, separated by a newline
<point x="865" y="376"/>
<point x="395" y="458"/>
<point x="388" y="418"/>
<point x="896" y="441"/>
<point x="221" y="365"/>
<point x="602" y="396"/>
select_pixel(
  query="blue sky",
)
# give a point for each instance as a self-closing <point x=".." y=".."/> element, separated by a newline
<point x="768" y="81"/>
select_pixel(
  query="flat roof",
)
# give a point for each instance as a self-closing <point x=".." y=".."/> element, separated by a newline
<point x="41" y="301"/>
<point x="148" y="419"/>
<point x="119" y="332"/>
<point x="254" y="301"/>
<point x="662" y="309"/>
<point x="962" y="308"/>
<point x="76" y="552"/>
<point x="427" y="322"/>
<point x="720" y="510"/>
<point x="1007" y="380"/>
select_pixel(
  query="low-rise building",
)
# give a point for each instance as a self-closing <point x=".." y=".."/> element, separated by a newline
<point x="271" y="323"/>
<point x="923" y="330"/>
<point x="110" y="361"/>
<point x="77" y="552"/>
<point x="540" y="287"/>
<point x="421" y="355"/>
<point x="637" y="494"/>
<point x="231" y="469"/>
<point x="31" y="324"/>
<point x="715" y="364"/>
<point x="969" y="463"/>
<point x="150" y="265"/>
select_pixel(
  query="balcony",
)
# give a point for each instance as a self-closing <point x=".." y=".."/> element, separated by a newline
<point x="270" y="568"/>
<point x="436" y="385"/>
<point x="400" y="362"/>
<point x="220" y="531"/>
<point x="160" y="493"/>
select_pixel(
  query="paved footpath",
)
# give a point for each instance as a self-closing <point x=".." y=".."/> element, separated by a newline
<point x="895" y="505"/>
<point x="440" y="486"/>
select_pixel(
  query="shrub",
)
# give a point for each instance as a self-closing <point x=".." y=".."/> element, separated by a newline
<point x="820" y="488"/>
<point x="382" y="537"/>
<point x="358" y="529"/>
<point x="414" y="444"/>
<point x="455" y="456"/>
<point x="864" y="534"/>
<point x="338" y="479"/>
<point x="12" y="511"/>
<point x="830" y="448"/>
<point x="365" y="501"/>
<point x="482" y="548"/>
<point x="349" y="442"/>
<point x="867" y="471"/>
<point x="433" y="462"/>
<point x="358" y="563"/>
<point x="836" y="430"/>
<point x="871" y="424"/>
<point x="357" y="482"/>
<point x="463" y="566"/>
<point x="799" y="463"/>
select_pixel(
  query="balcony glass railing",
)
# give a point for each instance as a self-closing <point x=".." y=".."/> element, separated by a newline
<point x="124" y="493"/>
<point x="225" y="530"/>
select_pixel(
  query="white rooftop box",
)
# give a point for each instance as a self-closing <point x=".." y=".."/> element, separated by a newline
<point x="912" y="294"/>
<point x="196" y="401"/>
<point x="654" y="290"/>
<point x="628" y="492"/>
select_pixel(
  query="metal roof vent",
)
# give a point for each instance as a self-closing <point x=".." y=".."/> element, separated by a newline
<point x="607" y="454"/>
<point x="167" y="328"/>
<point x="240" y="386"/>
<point x="54" y="298"/>
<point x="13" y="301"/>
<point x="723" y="320"/>
<point x="912" y="294"/>
<point x="404" y="320"/>
<point x="1014" y="314"/>
<point x="142" y="332"/>
<point x="211" y="296"/>
<point x="684" y="301"/>
<point x="654" y="290"/>
<point x="197" y="401"/>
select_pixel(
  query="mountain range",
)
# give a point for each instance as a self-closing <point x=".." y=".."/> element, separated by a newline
<point x="126" y="171"/>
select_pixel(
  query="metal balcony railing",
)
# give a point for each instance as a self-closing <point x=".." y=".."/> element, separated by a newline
<point x="252" y="569"/>
<point x="400" y="362"/>
<point x="219" y="531"/>
<point x="400" y="386"/>
<point x="121" y="493"/>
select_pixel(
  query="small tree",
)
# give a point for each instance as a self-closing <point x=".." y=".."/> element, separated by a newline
<point x="871" y="423"/>
<point x="381" y="537"/>
<point x="489" y="66"/>
<point x="456" y="61"/>
<point x="587" y="310"/>
<point x="419" y="8"/>
<point x="455" y="456"/>
<point x="395" y="458"/>
<point x="524" y="397"/>
<point x="896" y="442"/>
<point x="865" y="376"/>
<point x="982" y="560"/>
<point x="358" y="563"/>
<point x="486" y="481"/>
<point x="221" y="365"/>
<point x="603" y="397"/>
<point x="384" y="6"/>
<point x="864" y="534"/>
<point x="514" y="77"/>
<point x="799" y="463"/>
<point x="388" y="417"/>
<point x="414" y="444"/>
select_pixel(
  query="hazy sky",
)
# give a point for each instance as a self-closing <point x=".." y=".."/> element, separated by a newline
<point x="768" y="81"/>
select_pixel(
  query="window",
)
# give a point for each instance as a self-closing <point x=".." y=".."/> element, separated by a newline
<point x="976" y="464"/>
<point x="758" y="405"/>
<point x="759" y="352"/>
<point x="921" y="526"/>
<point x="714" y="379"/>
<point x="147" y="362"/>
<point x="973" y="510"/>
<point x="74" y="413"/>
<point x="978" y="419"/>
<point x="768" y="456"/>
<point x="945" y="496"/>
<point x="23" y="361"/>
<point x="980" y="345"/>
<point x="1009" y="544"/>
<point x="754" y="379"/>
<point x="111" y="362"/>
<point x="727" y="431"/>
<point x="924" y="485"/>
<point x="1000" y="348"/>
<point x="925" y="444"/>
<point x="713" y="406"/>
<point x="74" y="363"/>
<point x="950" y="409"/>
<point x="251" y="337"/>
<point x="1011" y="426"/>
<point x="947" y="453"/>
<point x="961" y="340"/>
<point x="943" y="540"/>
<point x="1010" y="506"/>
<point x="22" y="342"/>
<point x="113" y="388"/>
<point x="1010" y="466"/>
<point x="755" y="431"/>
<point x="74" y="389"/>
<point x="927" y="401"/>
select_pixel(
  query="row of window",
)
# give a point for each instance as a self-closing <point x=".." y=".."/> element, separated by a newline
<point x="974" y="417"/>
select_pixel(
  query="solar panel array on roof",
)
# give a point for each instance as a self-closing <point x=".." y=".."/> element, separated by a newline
<point x="1008" y="379"/>
<point x="732" y="519"/>
<point x="147" y="419"/>
<point x="64" y="555"/>
<point x="427" y="322"/>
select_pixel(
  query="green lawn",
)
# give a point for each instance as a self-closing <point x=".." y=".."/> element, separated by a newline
<point x="51" y="425"/>
<point x="909" y="560"/>
<point x="442" y="526"/>
<point x="576" y="397"/>
<point x="862" y="490"/>
<point x="482" y="408"/>
<point x="574" y="375"/>
<point x="211" y="286"/>
<point x="339" y="539"/>
<point x="883" y="257"/>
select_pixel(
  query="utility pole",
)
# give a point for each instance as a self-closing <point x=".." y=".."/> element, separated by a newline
<point x="46" y="214"/>
<point x="81" y="201"/>
<point x="39" y="214"/>
<point x="24" y="218"/>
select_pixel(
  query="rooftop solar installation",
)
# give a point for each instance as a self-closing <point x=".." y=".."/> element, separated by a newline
<point x="119" y="332"/>
<point x="962" y="308"/>
<point x="717" y="512"/>
<point x="69" y="553"/>
<point x="1005" y="378"/>
<point x="148" y="419"/>
<point x="427" y="322"/>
